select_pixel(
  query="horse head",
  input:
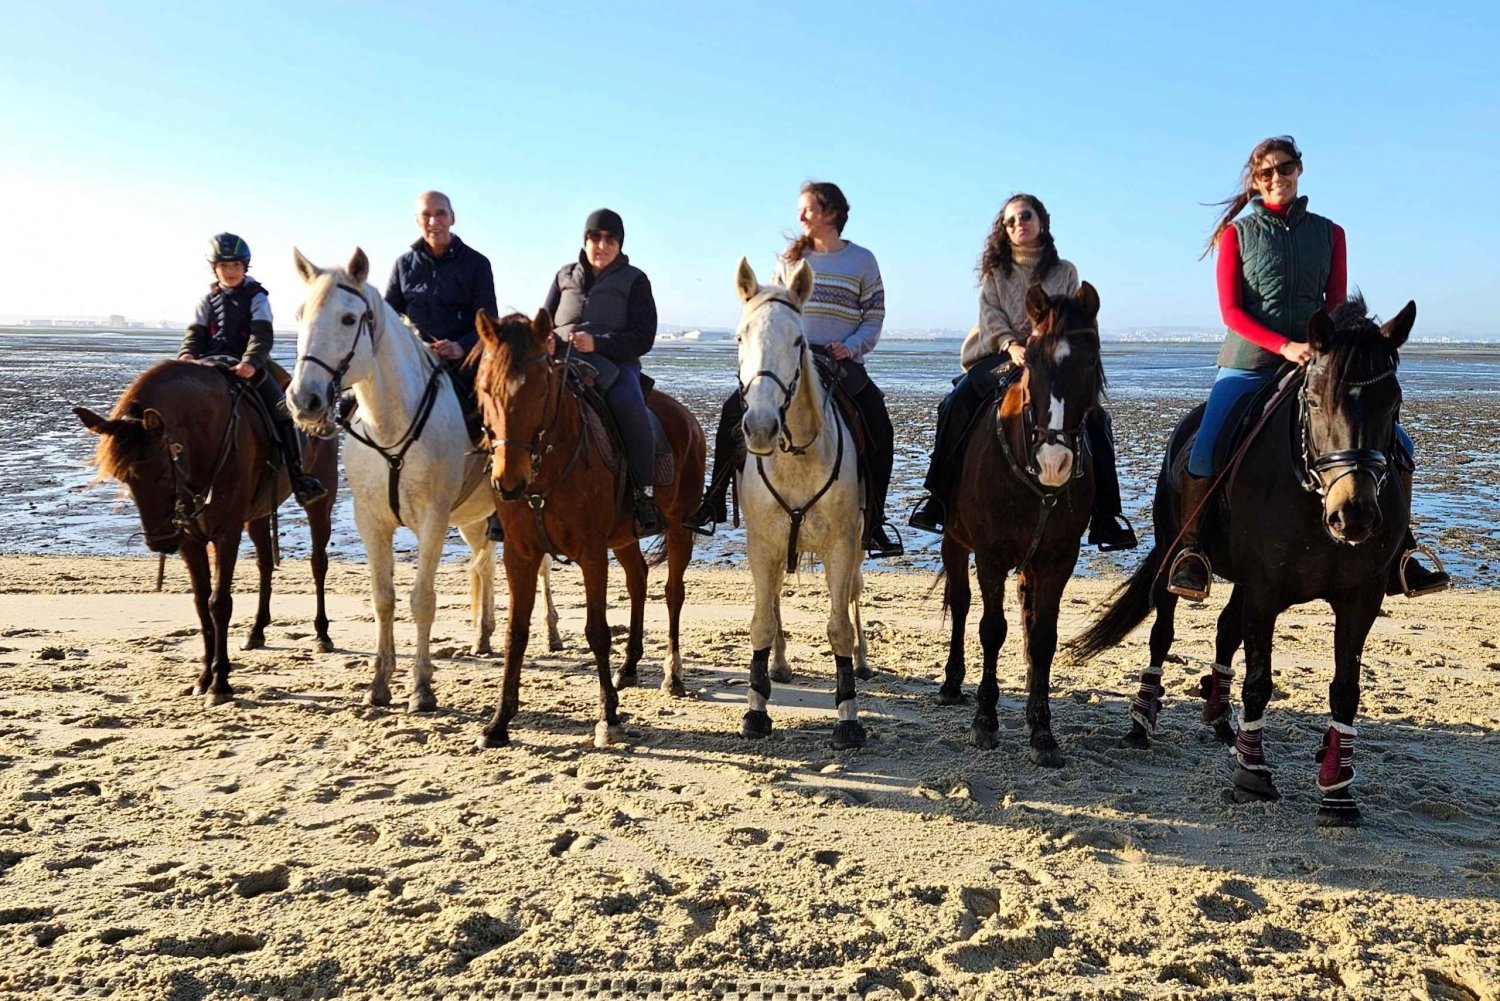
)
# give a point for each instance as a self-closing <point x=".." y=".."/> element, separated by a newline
<point x="136" y="450"/>
<point x="335" y="339"/>
<point x="513" y="380"/>
<point x="1064" y="378"/>
<point x="773" y="355"/>
<point x="1350" y="399"/>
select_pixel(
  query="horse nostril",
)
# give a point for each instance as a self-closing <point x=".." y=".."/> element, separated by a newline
<point x="314" y="403"/>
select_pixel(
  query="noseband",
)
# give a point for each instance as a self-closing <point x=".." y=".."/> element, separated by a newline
<point x="366" y="322"/>
<point x="1345" y="461"/>
<point x="789" y="387"/>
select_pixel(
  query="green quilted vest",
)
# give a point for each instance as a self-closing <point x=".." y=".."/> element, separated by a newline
<point x="1284" y="265"/>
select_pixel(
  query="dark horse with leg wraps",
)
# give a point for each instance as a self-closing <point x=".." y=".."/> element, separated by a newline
<point x="1314" y="510"/>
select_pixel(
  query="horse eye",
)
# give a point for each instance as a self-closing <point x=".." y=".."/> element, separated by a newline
<point x="348" y="320"/>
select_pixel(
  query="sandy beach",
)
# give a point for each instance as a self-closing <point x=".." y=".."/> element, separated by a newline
<point x="296" y="844"/>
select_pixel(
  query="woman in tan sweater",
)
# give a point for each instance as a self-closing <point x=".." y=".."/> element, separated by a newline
<point x="1019" y="253"/>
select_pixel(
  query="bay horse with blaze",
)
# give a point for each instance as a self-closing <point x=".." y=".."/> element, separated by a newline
<point x="1022" y="503"/>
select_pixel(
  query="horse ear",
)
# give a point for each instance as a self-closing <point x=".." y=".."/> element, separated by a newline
<point x="801" y="283"/>
<point x="1038" y="305"/>
<point x="744" y="281"/>
<point x="484" y="326"/>
<point x="1320" y="331"/>
<point x="1087" y="297"/>
<point x="92" y="421"/>
<point x="307" y="269"/>
<point x="359" y="267"/>
<point x="154" y="422"/>
<point x="541" y="325"/>
<point x="1398" y="328"/>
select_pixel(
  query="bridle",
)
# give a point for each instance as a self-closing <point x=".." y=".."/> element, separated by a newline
<point x="1312" y="469"/>
<point x="366" y="322"/>
<point x="788" y="387"/>
<point x="189" y="505"/>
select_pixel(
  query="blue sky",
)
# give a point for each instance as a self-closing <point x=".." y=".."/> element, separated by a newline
<point x="132" y="134"/>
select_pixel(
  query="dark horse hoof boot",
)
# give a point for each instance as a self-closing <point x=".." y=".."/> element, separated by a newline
<point x="756" y="725"/>
<point x="704" y="520"/>
<point x="1191" y="577"/>
<point x="1047" y="756"/>
<point x="1138" y="737"/>
<point x="1411" y="578"/>
<point x="848" y="733"/>
<point x="307" y="489"/>
<point x="950" y="696"/>
<point x="1252" y="786"/>
<point x="880" y="544"/>
<point x="1338" y="809"/>
<point x="1112" y="534"/>
<point x="492" y="529"/>
<point x="928" y="516"/>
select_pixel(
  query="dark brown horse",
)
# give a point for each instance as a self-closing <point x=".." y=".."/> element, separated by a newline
<point x="1314" y="510"/>
<point x="190" y="446"/>
<point x="558" y="497"/>
<point x="1022" y="503"/>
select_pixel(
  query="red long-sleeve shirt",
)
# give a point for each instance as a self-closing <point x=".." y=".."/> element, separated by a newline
<point x="1231" y="306"/>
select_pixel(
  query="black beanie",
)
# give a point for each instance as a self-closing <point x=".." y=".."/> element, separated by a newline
<point x="605" y="221"/>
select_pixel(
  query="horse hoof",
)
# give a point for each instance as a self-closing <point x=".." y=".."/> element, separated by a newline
<point x="1049" y="757"/>
<point x="674" y="687"/>
<point x="555" y="643"/>
<point x="950" y="696"/>
<point x="1253" y="786"/>
<point x="624" y="680"/>
<point x="324" y="645"/>
<point x="378" y="699"/>
<point x="422" y="703"/>
<point x="1224" y="731"/>
<point x="213" y="698"/>
<point x="481" y="649"/>
<point x="756" y="725"/>
<point x="608" y="733"/>
<point x="1340" y="816"/>
<point x="488" y="741"/>
<point x="254" y="642"/>
<point x="781" y="673"/>
<point x="196" y="688"/>
<point x="1138" y="737"/>
<point x="847" y="734"/>
<point x="985" y="740"/>
<point x="864" y="672"/>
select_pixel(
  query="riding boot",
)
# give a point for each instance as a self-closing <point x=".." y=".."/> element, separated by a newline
<point x="1191" y="576"/>
<point x="305" y="487"/>
<point x="729" y="450"/>
<point x="881" y="540"/>
<point x="648" y="517"/>
<point x="932" y="511"/>
<point x="1109" y="529"/>
<point x="1418" y="579"/>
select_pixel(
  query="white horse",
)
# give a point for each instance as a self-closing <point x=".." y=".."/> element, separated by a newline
<point x="800" y="492"/>
<point x="408" y="458"/>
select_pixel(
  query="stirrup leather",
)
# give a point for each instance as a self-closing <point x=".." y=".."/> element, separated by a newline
<point x="1190" y="593"/>
<point x="1406" y="559"/>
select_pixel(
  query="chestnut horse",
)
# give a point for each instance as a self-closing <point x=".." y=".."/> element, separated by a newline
<point x="558" y="498"/>
<point x="188" y="443"/>
<point x="1023" y="502"/>
<point x="1313" y="512"/>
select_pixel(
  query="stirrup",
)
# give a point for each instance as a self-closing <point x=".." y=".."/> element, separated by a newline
<point x="704" y="526"/>
<point x="1410" y="555"/>
<point x="1124" y="535"/>
<point x="883" y="547"/>
<point x="308" y="489"/>
<point x="1191" y="594"/>
<point x="924" y="519"/>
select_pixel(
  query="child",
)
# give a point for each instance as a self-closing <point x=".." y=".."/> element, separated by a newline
<point x="234" y="320"/>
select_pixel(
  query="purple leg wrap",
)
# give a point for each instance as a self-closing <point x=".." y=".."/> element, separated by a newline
<point x="1215" y="688"/>
<point x="1147" y="701"/>
<point x="1336" y="758"/>
<point x="1248" y="750"/>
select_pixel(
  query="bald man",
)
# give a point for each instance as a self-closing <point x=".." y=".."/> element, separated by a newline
<point x="440" y="285"/>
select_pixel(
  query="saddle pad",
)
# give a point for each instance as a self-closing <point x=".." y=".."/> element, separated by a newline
<point x="611" y="450"/>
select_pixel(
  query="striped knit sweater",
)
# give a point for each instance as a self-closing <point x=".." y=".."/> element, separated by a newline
<point x="848" y="298"/>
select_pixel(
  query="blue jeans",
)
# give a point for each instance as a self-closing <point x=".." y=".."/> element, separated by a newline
<point x="628" y="405"/>
<point x="1229" y="385"/>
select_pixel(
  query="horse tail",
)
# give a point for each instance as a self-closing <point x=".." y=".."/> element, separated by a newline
<point x="1129" y="605"/>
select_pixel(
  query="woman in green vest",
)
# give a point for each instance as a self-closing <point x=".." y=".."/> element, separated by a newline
<point x="1277" y="265"/>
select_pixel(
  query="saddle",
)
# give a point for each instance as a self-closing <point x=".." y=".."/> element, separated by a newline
<point x="842" y="383"/>
<point x="273" y="479"/>
<point x="1001" y="378"/>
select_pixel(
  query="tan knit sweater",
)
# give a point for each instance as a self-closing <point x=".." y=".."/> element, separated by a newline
<point x="1002" y="308"/>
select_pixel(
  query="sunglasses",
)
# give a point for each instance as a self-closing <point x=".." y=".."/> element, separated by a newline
<point x="1025" y="215"/>
<point x="1286" y="169"/>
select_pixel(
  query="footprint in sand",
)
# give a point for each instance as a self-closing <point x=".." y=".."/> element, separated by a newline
<point x="206" y="946"/>
<point x="272" y="880"/>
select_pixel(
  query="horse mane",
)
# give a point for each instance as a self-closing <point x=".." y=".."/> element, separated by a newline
<point x="1355" y="332"/>
<point x="118" y="451"/>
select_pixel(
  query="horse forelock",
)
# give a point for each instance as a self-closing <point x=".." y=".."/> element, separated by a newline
<point x="1053" y="343"/>
<point x="514" y="338"/>
<point x="1357" y="350"/>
